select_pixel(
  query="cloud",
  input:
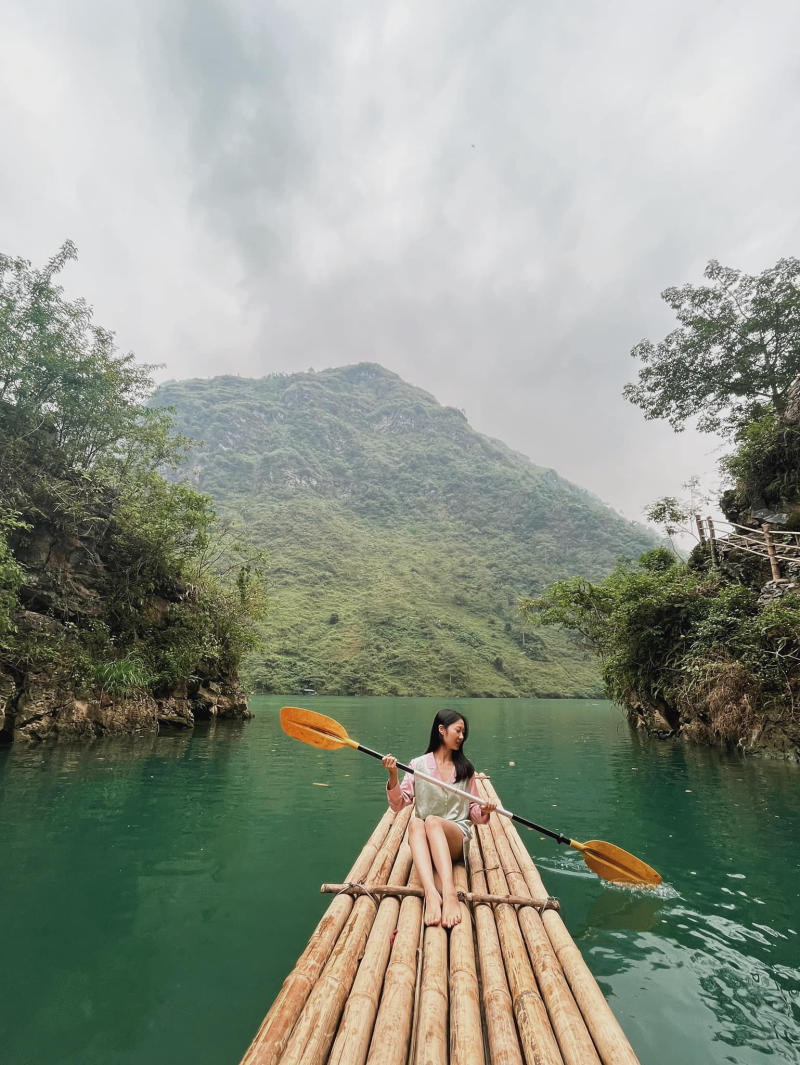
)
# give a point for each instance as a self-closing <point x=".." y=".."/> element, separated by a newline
<point x="487" y="199"/>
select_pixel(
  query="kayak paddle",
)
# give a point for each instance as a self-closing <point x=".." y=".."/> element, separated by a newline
<point x="607" y="860"/>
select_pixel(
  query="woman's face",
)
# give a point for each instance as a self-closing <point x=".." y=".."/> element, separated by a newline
<point x="452" y="735"/>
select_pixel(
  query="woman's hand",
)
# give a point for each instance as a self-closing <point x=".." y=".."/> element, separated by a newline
<point x="389" y="763"/>
<point x="489" y="807"/>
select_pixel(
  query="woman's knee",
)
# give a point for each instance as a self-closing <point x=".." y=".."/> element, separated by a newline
<point x="433" y="825"/>
<point x="416" y="827"/>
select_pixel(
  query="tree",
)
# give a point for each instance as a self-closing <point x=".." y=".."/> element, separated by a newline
<point x="61" y="377"/>
<point x="675" y="516"/>
<point x="735" y="353"/>
<point x="161" y="591"/>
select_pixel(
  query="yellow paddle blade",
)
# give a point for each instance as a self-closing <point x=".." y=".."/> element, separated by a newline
<point x="613" y="863"/>
<point x="313" y="728"/>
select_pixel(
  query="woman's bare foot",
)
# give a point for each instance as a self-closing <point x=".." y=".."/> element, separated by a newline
<point x="451" y="910"/>
<point x="433" y="908"/>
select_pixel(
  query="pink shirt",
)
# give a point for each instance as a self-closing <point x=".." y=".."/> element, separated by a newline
<point x="403" y="793"/>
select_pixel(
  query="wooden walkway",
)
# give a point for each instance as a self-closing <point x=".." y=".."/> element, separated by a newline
<point x="506" y="986"/>
<point x="774" y="545"/>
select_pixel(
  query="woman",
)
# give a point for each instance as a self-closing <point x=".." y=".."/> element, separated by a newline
<point x="440" y="831"/>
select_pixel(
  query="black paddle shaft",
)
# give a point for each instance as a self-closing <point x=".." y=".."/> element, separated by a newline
<point x="559" y="837"/>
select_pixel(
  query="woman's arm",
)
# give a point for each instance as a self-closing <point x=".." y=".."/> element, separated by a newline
<point x="478" y="814"/>
<point x="399" y="795"/>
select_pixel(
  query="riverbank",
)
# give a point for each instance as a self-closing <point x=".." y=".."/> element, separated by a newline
<point x="772" y="733"/>
<point x="39" y="711"/>
<point x="702" y="649"/>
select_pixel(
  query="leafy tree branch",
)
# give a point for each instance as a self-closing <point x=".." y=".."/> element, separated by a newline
<point x="736" y="349"/>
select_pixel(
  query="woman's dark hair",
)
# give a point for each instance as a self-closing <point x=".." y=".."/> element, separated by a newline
<point x="464" y="768"/>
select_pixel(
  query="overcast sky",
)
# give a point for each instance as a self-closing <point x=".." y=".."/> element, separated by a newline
<point x="486" y="197"/>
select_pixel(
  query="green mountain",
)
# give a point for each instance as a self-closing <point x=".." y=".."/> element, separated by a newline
<point x="400" y="540"/>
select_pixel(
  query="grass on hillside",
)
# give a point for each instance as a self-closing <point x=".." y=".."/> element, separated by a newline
<point x="359" y="611"/>
<point x="400" y="539"/>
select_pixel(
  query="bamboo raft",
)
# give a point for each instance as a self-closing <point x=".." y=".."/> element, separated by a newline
<point x="506" y="986"/>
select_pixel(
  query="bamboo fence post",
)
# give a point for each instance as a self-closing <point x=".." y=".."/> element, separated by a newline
<point x="392" y="1031"/>
<point x="712" y="540"/>
<point x="355" y="1031"/>
<point x="498" y="1010"/>
<point x="536" y="1034"/>
<point x="773" y="558"/>
<point x="270" y="1039"/>
<point x="700" y="530"/>
<point x="466" y="1034"/>
<point x="430" y="1043"/>
<point x="315" y="1029"/>
<point x="568" y="1024"/>
<point x="609" y="1038"/>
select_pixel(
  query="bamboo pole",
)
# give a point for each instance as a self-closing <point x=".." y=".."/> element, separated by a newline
<point x="430" y="1038"/>
<point x="315" y="1029"/>
<point x="759" y="551"/>
<point x="535" y="1032"/>
<point x="353" y="1038"/>
<point x="270" y="1039"/>
<point x="466" y="1034"/>
<point x="700" y="530"/>
<point x="392" y="1032"/>
<point x="403" y="891"/>
<point x="498" y="1010"/>
<point x="609" y="1039"/>
<point x="568" y="1024"/>
<point x="712" y="541"/>
<point x="770" y="545"/>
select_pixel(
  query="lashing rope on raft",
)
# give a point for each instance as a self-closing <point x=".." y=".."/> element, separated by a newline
<point x="377" y="891"/>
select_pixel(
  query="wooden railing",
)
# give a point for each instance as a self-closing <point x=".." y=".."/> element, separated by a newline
<point x="773" y="544"/>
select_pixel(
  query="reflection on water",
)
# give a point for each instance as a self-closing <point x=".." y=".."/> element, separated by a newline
<point x="161" y="887"/>
<point x="617" y="909"/>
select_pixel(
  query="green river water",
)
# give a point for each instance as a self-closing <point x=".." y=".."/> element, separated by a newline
<point x="155" y="891"/>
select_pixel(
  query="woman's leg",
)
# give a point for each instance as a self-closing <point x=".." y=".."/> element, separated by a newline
<point x="446" y="843"/>
<point x="420" y="852"/>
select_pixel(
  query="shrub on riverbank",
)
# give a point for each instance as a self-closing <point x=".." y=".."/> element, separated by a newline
<point x="112" y="580"/>
<point x="687" y="649"/>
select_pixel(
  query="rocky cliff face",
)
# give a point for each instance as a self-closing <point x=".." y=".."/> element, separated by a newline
<point x="731" y="719"/>
<point x="43" y="707"/>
